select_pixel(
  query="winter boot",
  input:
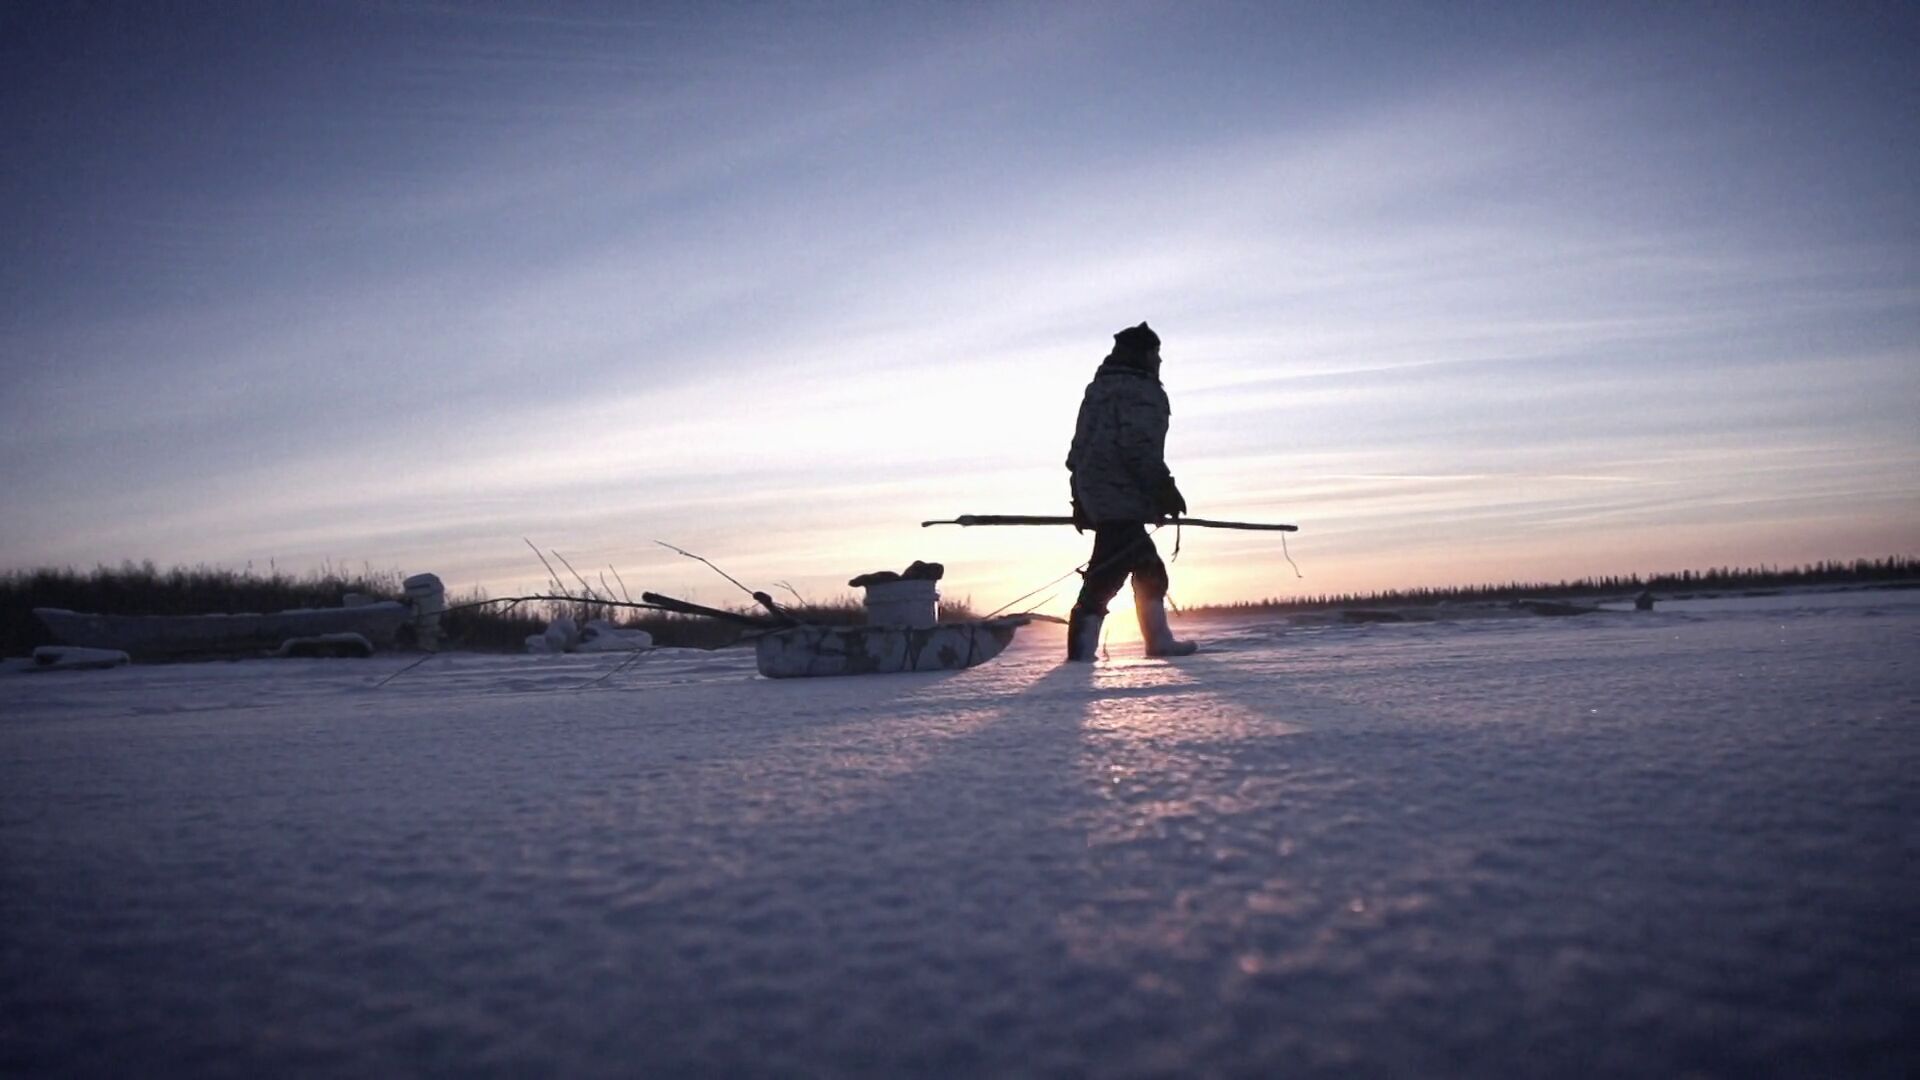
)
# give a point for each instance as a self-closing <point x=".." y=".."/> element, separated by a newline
<point x="1083" y="634"/>
<point x="1154" y="629"/>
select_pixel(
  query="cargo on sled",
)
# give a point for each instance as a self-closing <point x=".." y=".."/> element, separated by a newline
<point x="902" y="631"/>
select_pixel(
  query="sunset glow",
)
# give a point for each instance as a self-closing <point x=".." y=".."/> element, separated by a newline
<point x="1468" y="298"/>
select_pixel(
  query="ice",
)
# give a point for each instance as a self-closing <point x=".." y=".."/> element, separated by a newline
<point x="1681" y="842"/>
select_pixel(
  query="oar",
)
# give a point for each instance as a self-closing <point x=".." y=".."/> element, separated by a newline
<point x="1040" y="519"/>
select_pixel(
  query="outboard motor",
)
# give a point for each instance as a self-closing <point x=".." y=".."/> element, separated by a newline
<point x="910" y="599"/>
<point x="429" y="600"/>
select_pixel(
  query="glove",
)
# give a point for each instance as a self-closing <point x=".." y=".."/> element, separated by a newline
<point x="1171" y="502"/>
<point x="1081" y="522"/>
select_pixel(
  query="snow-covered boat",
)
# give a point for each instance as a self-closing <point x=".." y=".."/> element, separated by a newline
<point x="802" y="651"/>
<point x="159" y="636"/>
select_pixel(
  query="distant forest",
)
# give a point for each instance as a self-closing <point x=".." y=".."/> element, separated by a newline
<point x="1891" y="570"/>
<point x="144" y="589"/>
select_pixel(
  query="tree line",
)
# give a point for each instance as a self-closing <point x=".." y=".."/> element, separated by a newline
<point x="1891" y="569"/>
<point x="146" y="589"/>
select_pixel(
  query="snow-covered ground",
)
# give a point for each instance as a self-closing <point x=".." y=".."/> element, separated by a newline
<point x="1683" y="842"/>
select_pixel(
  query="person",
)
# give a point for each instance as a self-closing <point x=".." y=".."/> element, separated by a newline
<point x="1120" y="483"/>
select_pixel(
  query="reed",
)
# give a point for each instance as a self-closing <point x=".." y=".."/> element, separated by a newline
<point x="146" y="589"/>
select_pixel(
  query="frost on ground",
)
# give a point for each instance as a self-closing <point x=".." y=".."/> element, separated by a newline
<point x="1675" y="843"/>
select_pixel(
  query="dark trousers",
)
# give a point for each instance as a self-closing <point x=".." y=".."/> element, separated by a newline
<point x="1119" y="549"/>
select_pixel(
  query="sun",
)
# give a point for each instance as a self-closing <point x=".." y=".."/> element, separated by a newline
<point x="1122" y="628"/>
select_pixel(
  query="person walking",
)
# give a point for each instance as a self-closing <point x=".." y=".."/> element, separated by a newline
<point x="1118" y="470"/>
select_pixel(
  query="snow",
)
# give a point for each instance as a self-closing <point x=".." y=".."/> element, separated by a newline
<point x="598" y="636"/>
<point x="65" y="657"/>
<point x="1681" y="842"/>
<point x="603" y="636"/>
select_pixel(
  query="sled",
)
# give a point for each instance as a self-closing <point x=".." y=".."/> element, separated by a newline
<point x="805" y="651"/>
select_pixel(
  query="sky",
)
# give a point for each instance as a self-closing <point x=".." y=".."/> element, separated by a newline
<point x="1469" y="292"/>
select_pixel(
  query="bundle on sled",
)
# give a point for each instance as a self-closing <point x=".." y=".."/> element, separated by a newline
<point x="902" y="631"/>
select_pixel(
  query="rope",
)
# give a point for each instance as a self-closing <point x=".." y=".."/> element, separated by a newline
<point x="1289" y="555"/>
<point x="1083" y="569"/>
<point x="1043" y="602"/>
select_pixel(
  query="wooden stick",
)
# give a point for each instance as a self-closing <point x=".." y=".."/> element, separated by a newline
<point x="1041" y="519"/>
<point x="668" y="603"/>
<point x="779" y="612"/>
<point x="562" y="598"/>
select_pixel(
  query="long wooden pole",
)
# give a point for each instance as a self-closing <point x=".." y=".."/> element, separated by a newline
<point x="668" y="603"/>
<point x="1041" y="519"/>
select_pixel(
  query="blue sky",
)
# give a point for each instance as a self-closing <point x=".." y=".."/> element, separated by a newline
<point x="1470" y="292"/>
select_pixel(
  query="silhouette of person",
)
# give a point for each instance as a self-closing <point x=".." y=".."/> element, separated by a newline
<point x="1120" y="483"/>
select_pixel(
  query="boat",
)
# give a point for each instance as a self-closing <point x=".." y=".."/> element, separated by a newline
<point x="165" y="636"/>
<point x="810" y="650"/>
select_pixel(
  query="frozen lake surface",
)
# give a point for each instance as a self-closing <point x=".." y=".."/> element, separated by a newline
<point x="1684" y="842"/>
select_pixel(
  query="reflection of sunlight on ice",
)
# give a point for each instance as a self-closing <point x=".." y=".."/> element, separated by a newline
<point x="1154" y="699"/>
<point x="850" y="752"/>
<point x="1140" y="673"/>
<point x="1165" y="758"/>
<point x="1120" y="635"/>
<point x="1210" y="834"/>
<point x="1121" y="632"/>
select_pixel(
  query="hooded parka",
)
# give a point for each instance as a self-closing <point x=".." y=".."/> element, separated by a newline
<point x="1118" y="459"/>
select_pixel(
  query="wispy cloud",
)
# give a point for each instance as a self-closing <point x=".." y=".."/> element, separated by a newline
<point x="785" y="308"/>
